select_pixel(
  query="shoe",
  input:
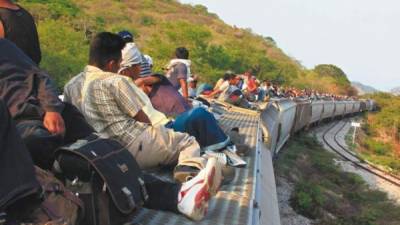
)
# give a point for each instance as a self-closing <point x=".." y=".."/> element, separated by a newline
<point x="184" y="173"/>
<point x="220" y="156"/>
<point x="233" y="159"/>
<point x="194" y="195"/>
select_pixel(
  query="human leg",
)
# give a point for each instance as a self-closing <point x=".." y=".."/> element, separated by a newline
<point x="191" y="198"/>
<point x="17" y="170"/>
<point x="201" y="124"/>
<point x="160" y="146"/>
<point x="39" y="141"/>
<point x="163" y="195"/>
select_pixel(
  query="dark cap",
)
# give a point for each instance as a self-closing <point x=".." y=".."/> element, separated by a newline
<point x="126" y="35"/>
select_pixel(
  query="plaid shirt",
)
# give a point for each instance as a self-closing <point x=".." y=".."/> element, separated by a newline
<point x="109" y="103"/>
<point x="73" y="90"/>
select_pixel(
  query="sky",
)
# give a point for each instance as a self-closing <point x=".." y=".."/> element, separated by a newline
<point x="362" y="37"/>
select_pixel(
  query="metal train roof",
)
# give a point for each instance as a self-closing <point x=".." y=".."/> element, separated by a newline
<point x="250" y="198"/>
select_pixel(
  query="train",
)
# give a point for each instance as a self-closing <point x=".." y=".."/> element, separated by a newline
<point x="282" y="118"/>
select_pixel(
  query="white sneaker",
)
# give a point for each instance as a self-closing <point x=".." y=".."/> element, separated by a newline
<point x="220" y="156"/>
<point x="233" y="158"/>
<point x="194" y="195"/>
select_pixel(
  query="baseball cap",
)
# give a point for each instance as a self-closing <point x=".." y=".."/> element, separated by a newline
<point x="126" y="35"/>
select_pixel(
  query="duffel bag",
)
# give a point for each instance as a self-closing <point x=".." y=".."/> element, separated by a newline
<point x="106" y="178"/>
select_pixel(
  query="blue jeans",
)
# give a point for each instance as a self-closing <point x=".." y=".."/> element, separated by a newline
<point x="261" y="95"/>
<point x="201" y="124"/>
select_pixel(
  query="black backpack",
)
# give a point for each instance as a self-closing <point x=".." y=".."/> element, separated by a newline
<point x="106" y="178"/>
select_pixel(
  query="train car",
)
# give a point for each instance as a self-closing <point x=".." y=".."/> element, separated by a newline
<point x="317" y="108"/>
<point x="329" y="109"/>
<point x="356" y="108"/>
<point x="339" y="108"/>
<point x="363" y="105"/>
<point x="303" y="114"/>
<point x="349" y="107"/>
<point x="277" y="122"/>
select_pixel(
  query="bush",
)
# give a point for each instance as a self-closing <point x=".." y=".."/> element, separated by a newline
<point x="378" y="147"/>
<point x="65" y="51"/>
<point x="307" y="199"/>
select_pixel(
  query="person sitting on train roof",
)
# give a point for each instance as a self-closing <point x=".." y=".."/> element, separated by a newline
<point x="44" y="122"/>
<point x="146" y="63"/>
<point x="250" y="87"/>
<point x="178" y="70"/>
<point x="220" y="88"/>
<point x="114" y="106"/>
<point x="229" y="92"/>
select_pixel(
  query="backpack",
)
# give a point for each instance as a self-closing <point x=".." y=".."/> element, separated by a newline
<point x="106" y="178"/>
<point x="55" y="205"/>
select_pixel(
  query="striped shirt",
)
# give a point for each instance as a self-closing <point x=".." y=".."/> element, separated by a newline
<point x="109" y="103"/>
<point x="145" y="67"/>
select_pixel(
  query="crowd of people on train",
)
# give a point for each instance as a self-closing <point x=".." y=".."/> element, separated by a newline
<point x="117" y="96"/>
<point x="162" y="119"/>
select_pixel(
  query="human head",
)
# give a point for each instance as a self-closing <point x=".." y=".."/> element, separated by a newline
<point x="105" y="51"/>
<point x="228" y="74"/>
<point x="248" y="73"/>
<point x="234" y="79"/>
<point x="181" y="53"/>
<point x="131" y="60"/>
<point x="126" y="36"/>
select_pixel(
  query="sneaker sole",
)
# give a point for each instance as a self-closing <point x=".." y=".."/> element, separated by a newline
<point x="214" y="176"/>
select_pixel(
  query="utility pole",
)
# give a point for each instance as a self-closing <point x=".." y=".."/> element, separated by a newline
<point x="355" y="125"/>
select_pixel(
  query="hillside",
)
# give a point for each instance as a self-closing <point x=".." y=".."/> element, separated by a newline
<point x="380" y="141"/>
<point x="395" y="91"/>
<point x="66" y="26"/>
<point x="363" y="89"/>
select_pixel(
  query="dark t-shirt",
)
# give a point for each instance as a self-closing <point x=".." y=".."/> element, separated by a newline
<point x="166" y="99"/>
<point x="179" y="71"/>
<point x="20" y="28"/>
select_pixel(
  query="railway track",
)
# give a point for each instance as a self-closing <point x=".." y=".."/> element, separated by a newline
<point x="351" y="157"/>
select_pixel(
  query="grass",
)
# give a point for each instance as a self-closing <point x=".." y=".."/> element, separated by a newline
<point x="373" y="150"/>
<point x="327" y="194"/>
<point x="66" y="26"/>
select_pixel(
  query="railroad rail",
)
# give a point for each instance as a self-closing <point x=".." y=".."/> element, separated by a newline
<point x="351" y="157"/>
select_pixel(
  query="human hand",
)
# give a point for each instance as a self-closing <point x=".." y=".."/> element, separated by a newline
<point x="54" y="123"/>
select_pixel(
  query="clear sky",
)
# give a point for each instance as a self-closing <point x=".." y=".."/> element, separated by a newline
<point x="360" y="36"/>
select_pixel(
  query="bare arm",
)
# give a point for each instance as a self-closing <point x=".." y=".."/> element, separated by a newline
<point x="184" y="88"/>
<point x="142" y="117"/>
<point x="147" y="81"/>
<point x="214" y="93"/>
<point x="2" y="34"/>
